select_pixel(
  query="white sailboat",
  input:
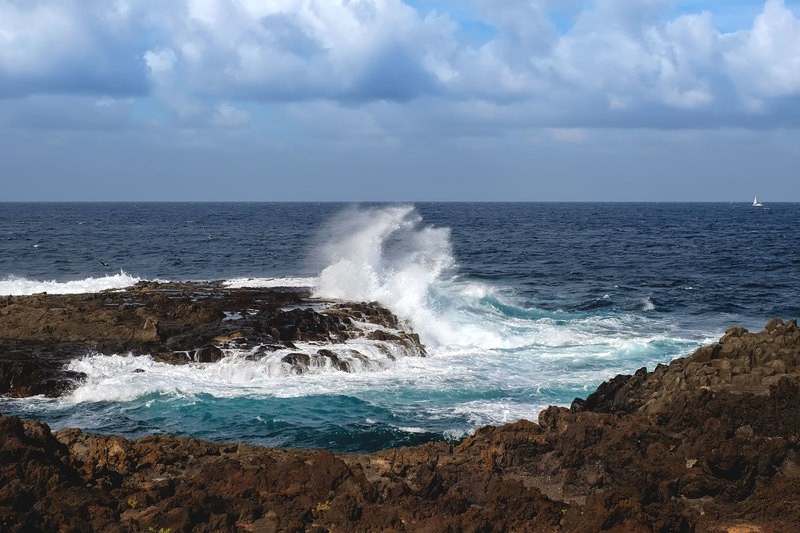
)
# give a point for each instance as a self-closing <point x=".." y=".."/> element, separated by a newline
<point x="756" y="203"/>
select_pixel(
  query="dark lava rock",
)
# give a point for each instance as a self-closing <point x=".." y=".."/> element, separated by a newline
<point x="334" y="359"/>
<point x="26" y="370"/>
<point x="297" y="359"/>
<point x="176" y="323"/>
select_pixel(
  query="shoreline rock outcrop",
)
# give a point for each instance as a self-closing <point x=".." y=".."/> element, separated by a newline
<point x="182" y="323"/>
<point x="710" y="442"/>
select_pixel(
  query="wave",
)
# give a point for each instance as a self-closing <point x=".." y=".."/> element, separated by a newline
<point x="266" y="283"/>
<point x="387" y="254"/>
<point x="456" y="378"/>
<point x="17" y="286"/>
<point x="241" y="373"/>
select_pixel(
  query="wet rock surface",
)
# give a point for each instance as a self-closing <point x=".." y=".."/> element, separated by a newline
<point x="178" y="323"/>
<point x="707" y="443"/>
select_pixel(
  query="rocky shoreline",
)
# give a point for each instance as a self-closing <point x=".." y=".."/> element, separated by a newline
<point x="182" y="323"/>
<point x="710" y="442"/>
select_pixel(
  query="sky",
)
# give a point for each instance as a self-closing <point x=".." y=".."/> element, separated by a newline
<point x="391" y="100"/>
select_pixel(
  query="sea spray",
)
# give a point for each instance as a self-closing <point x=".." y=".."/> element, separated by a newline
<point x="387" y="255"/>
<point x="18" y="286"/>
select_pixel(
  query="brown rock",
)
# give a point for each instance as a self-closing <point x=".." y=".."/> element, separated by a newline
<point x="176" y="323"/>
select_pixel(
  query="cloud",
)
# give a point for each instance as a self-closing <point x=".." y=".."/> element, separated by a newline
<point x="290" y="50"/>
<point x="228" y="116"/>
<point x="160" y="61"/>
<point x="545" y="63"/>
<point x="765" y="62"/>
<point x="68" y="47"/>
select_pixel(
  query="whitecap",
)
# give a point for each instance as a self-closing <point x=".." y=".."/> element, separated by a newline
<point x="18" y="286"/>
<point x="265" y="283"/>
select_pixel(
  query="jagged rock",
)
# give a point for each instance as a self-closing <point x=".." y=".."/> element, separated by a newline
<point x="298" y="361"/>
<point x="334" y="359"/>
<point x="372" y="312"/>
<point x="309" y="325"/>
<point x="409" y="340"/>
<point x="741" y="362"/>
<point x="25" y="370"/>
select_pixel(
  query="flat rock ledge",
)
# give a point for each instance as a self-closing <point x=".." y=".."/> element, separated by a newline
<point x="706" y="443"/>
<point x="183" y="323"/>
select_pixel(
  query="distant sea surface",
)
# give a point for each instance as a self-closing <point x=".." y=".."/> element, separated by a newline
<point x="520" y="305"/>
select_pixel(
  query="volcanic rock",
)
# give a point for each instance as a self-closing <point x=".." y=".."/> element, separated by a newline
<point x="179" y="323"/>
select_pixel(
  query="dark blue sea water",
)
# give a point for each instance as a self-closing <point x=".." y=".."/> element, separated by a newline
<point x="520" y="305"/>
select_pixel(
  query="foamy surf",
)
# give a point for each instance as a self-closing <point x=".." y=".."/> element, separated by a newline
<point x="267" y="283"/>
<point x="453" y="391"/>
<point x="17" y="286"/>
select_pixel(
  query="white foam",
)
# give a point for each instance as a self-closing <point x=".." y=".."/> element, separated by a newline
<point x="482" y="412"/>
<point x="462" y="389"/>
<point x="383" y="254"/>
<point x="387" y="255"/>
<point x="411" y="429"/>
<point x="241" y="373"/>
<point x="15" y="286"/>
<point x="266" y="283"/>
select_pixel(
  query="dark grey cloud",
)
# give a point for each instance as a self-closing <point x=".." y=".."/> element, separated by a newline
<point x="395" y="74"/>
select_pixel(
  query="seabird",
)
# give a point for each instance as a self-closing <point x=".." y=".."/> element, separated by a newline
<point x="103" y="263"/>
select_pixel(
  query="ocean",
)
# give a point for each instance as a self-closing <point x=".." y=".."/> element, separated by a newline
<point x="520" y="306"/>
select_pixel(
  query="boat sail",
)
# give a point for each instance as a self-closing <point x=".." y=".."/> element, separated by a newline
<point x="756" y="203"/>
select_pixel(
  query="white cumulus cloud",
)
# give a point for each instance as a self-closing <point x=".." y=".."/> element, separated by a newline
<point x="764" y="62"/>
